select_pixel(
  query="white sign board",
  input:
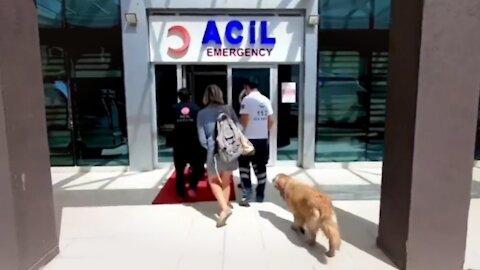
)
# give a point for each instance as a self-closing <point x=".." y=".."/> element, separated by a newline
<point x="289" y="92"/>
<point x="200" y="39"/>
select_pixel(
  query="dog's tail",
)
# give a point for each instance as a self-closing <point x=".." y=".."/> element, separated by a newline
<point x="328" y="221"/>
<point x="331" y="230"/>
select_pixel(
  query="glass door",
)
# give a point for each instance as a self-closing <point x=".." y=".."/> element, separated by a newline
<point x="98" y="102"/>
<point x="288" y="112"/>
<point x="200" y="76"/>
<point x="267" y="80"/>
<point x="168" y="80"/>
<point x="166" y="86"/>
<point x="58" y="106"/>
<point x="84" y="100"/>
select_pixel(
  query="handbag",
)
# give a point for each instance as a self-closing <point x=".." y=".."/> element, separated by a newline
<point x="247" y="147"/>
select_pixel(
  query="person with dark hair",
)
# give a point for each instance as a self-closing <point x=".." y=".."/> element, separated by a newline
<point x="184" y="95"/>
<point x="256" y="116"/>
<point x="186" y="146"/>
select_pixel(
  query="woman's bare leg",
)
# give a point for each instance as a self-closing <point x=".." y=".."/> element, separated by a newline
<point x="226" y="179"/>
<point x="217" y="191"/>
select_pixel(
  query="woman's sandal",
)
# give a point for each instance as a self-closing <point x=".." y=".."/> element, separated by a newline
<point x="222" y="219"/>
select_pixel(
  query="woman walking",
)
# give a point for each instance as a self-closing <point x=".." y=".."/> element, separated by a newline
<point x="219" y="171"/>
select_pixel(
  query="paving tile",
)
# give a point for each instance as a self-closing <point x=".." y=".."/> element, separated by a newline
<point x="204" y="238"/>
<point x="119" y="263"/>
<point x="289" y="262"/>
<point x="106" y="221"/>
<point x="194" y="260"/>
<point x="334" y="177"/>
<point x="111" y="224"/>
<point x="248" y="260"/>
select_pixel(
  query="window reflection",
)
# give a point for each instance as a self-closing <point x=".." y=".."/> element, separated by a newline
<point x="345" y="14"/>
<point x="84" y="90"/>
<point x="92" y="13"/>
<point x="100" y="102"/>
<point x="49" y="13"/>
<point x="352" y="80"/>
<point x="355" y="14"/>
<point x="341" y="117"/>
<point x="377" y="110"/>
<point x="351" y="106"/>
<point x="382" y="14"/>
<point x="59" y="130"/>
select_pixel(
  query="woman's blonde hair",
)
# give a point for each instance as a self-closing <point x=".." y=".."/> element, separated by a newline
<point x="213" y="95"/>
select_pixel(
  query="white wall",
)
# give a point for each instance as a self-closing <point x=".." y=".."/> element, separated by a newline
<point x="139" y="77"/>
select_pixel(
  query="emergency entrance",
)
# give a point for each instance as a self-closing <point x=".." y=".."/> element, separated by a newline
<point x="195" y="51"/>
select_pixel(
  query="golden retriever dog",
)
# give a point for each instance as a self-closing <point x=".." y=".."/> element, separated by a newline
<point x="312" y="210"/>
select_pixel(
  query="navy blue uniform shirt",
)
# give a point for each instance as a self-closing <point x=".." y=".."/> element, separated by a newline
<point x="185" y="121"/>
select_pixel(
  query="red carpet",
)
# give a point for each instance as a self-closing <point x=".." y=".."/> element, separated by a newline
<point x="168" y="194"/>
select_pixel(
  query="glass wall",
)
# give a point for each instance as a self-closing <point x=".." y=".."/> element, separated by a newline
<point x="352" y="80"/>
<point x="57" y="105"/>
<point x="81" y="50"/>
<point x="354" y="14"/>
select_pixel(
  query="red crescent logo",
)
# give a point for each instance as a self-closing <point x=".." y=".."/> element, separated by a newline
<point x="185" y="110"/>
<point x="181" y="32"/>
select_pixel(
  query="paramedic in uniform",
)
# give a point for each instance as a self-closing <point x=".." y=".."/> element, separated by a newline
<point x="186" y="146"/>
<point x="256" y="116"/>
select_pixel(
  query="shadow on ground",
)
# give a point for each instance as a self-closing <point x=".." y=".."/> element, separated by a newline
<point x="318" y="251"/>
<point x="355" y="230"/>
<point x="208" y="209"/>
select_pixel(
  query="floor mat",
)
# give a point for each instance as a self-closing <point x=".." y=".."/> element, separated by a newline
<point x="168" y="194"/>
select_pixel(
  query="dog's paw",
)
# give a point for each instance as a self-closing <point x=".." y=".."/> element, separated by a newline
<point x="330" y="253"/>
<point x="311" y="242"/>
<point x="295" y="227"/>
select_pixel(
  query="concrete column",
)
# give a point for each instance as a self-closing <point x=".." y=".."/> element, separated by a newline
<point x="27" y="222"/>
<point x="139" y="89"/>
<point x="308" y="96"/>
<point x="430" y="131"/>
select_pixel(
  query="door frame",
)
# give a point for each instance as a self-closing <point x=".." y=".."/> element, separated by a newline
<point x="273" y="96"/>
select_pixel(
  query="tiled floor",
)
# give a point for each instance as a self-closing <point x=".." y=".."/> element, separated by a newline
<point x="106" y="221"/>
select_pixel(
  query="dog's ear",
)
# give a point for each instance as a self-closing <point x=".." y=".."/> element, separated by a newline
<point x="279" y="181"/>
<point x="275" y="181"/>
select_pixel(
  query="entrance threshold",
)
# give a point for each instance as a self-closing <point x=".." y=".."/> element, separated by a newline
<point x="87" y="169"/>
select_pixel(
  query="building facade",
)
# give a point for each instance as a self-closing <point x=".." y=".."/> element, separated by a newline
<point x="101" y="83"/>
<point x="110" y="79"/>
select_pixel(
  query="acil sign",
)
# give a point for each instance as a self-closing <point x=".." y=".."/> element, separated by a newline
<point x="235" y="33"/>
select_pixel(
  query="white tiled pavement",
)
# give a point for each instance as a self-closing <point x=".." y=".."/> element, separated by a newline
<point x="106" y="221"/>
